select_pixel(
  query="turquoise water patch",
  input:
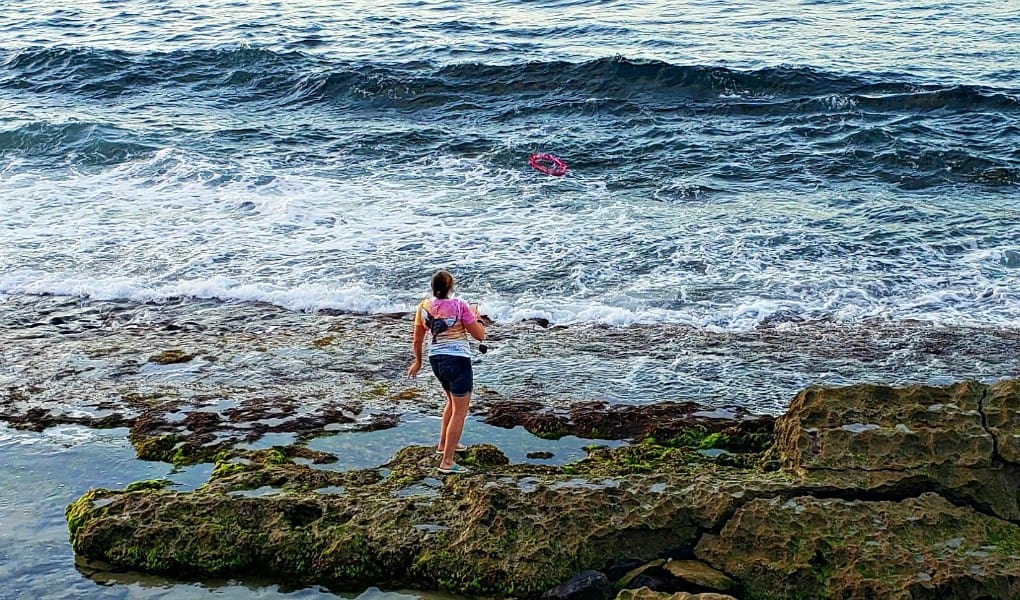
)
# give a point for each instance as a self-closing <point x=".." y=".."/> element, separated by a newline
<point x="44" y="472"/>
<point x="366" y="449"/>
<point x="191" y="477"/>
<point x="266" y="490"/>
<point x="419" y="490"/>
<point x="269" y="440"/>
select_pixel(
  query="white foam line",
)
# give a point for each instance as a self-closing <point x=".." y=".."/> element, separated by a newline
<point x="949" y="306"/>
<point x="306" y="297"/>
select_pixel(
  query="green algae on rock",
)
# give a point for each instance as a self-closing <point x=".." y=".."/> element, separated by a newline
<point x="172" y="357"/>
<point x="523" y="533"/>
<point x="148" y="484"/>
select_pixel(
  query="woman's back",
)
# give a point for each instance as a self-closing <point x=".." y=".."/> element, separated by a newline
<point x="447" y="320"/>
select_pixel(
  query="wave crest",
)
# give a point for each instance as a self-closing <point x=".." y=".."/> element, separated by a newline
<point x="296" y="76"/>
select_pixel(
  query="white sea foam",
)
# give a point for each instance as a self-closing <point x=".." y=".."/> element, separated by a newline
<point x="177" y="224"/>
<point x="309" y="297"/>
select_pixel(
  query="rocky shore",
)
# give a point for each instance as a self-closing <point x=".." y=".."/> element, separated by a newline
<point x="865" y="491"/>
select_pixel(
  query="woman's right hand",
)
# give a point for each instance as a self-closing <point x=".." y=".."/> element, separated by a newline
<point x="412" y="371"/>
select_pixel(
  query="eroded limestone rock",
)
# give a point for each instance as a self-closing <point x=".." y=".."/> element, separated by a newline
<point x="906" y="441"/>
<point x="920" y="547"/>
<point x="699" y="574"/>
<point x="875" y="428"/>
<point x="647" y="594"/>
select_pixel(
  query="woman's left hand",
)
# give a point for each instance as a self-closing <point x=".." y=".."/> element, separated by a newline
<point x="412" y="371"/>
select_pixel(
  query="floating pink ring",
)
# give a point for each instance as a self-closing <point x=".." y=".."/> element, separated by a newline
<point x="548" y="164"/>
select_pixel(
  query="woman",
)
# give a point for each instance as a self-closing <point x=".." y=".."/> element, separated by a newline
<point x="447" y="321"/>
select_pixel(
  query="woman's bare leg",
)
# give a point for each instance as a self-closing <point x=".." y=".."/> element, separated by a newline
<point x="455" y="428"/>
<point x="447" y="415"/>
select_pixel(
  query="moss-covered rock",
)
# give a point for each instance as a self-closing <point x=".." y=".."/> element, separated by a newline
<point x="830" y="548"/>
<point x="172" y="357"/>
<point x="148" y="484"/>
<point x="829" y="521"/>
<point x="472" y="535"/>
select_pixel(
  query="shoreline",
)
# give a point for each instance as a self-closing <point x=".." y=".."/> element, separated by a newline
<point x="61" y="353"/>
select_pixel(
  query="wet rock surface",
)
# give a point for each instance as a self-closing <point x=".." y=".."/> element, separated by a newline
<point x="590" y="585"/>
<point x="77" y="360"/>
<point x="647" y="594"/>
<point x="741" y="430"/>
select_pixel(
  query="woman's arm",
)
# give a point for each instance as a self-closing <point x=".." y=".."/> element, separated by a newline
<point x="475" y="328"/>
<point x="417" y="341"/>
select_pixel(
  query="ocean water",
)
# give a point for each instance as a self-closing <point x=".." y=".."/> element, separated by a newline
<point x="807" y="189"/>
<point x="728" y="162"/>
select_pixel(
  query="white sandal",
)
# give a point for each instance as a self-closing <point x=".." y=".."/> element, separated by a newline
<point x="460" y="448"/>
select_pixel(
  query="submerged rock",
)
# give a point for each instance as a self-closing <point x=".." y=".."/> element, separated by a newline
<point x="590" y="585"/>
<point x="172" y="357"/>
<point x="869" y="491"/>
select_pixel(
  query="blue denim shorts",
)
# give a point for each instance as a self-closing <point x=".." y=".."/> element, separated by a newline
<point x="453" y="373"/>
